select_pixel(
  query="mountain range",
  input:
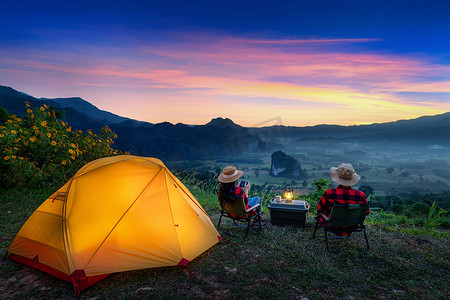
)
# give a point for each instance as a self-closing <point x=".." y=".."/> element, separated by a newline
<point x="221" y="137"/>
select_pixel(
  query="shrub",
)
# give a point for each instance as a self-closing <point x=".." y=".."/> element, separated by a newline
<point x="40" y="148"/>
<point x="3" y="115"/>
<point x="419" y="209"/>
<point x="320" y="186"/>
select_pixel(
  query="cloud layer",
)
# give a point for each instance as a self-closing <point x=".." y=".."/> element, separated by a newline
<point x="193" y="77"/>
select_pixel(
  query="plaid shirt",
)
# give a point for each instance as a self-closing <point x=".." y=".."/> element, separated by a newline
<point x="240" y="192"/>
<point x="340" y="195"/>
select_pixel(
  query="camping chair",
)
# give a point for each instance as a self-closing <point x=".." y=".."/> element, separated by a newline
<point x="239" y="214"/>
<point x="352" y="215"/>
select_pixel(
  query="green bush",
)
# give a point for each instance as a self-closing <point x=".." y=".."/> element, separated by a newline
<point x="3" y="115"/>
<point x="41" y="149"/>
<point x="320" y="186"/>
<point x="418" y="209"/>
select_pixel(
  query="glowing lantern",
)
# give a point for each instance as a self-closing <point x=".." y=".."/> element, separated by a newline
<point x="288" y="194"/>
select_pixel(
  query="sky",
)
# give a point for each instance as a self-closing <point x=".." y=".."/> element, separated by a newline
<point x="259" y="63"/>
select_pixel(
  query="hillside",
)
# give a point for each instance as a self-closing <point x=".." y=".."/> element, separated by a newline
<point x="221" y="137"/>
<point x="277" y="263"/>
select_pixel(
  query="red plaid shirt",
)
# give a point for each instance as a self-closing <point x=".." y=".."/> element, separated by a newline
<point x="340" y="195"/>
<point x="240" y="192"/>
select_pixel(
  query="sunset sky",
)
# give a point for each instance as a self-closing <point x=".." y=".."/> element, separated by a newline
<point x="306" y="62"/>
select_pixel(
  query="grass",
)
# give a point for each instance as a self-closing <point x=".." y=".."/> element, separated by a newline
<point x="279" y="262"/>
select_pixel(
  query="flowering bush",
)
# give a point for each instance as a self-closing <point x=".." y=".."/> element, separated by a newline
<point x="43" y="149"/>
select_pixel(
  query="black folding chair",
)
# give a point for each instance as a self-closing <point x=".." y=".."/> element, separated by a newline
<point x="240" y="216"/>
<point x="344" y="218"/>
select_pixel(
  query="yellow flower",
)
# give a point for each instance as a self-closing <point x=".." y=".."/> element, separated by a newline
<point x="44" y="123"/>
<point x="72" y="157"/>
<point x="45" y="105"/>
<point x="7" y="158"/>
<point x="72" y="145"/>
<point x="2" y="135"/>
<point x="27" y="103"/>
<point x="64" y="162"/>
<point x="41" y="108"/>
<point x="53" y="143"/>
<point x="19" y="120"/>
<point x="35" y="127"/>
<point x="13" y="132"/>
<point x="33" y="139"/>
<point x="36" y="131"/>
<point x="69" y="129"/>
<point x="29" y="111"/>
<point x="71" y="151"/>
<point x="49" y="135"/>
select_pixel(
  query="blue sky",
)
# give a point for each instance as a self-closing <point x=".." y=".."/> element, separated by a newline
<point x="310" y="62"/>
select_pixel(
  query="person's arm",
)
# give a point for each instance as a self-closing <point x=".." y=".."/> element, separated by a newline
<point x="247" y="188"/>
<point x="323" y="205"/>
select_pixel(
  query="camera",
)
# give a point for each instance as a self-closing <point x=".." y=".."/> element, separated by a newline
<point x="243" y="183"/>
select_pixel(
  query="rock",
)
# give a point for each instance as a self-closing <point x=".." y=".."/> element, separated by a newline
<point x="285" y="166"/>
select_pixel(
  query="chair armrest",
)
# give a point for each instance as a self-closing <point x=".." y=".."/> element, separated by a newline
<point x="325" y="217"/>
<point x="252" y="208"/>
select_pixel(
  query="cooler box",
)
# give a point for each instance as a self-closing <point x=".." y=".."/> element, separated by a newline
<point x="295" y="213"/>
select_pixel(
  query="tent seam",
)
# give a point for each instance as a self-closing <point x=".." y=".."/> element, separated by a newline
<point x="67" y="249"/>
<point x="171" y="213"/>
<point x="187" y="194"/>
<point x="130" y="158"/>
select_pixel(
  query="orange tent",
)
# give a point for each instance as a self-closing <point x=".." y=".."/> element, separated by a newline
<point x="115" y="214"/>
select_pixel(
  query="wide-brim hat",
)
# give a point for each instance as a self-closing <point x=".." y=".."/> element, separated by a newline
<point x="344" y="174"/>
<point x="230" y="174"/>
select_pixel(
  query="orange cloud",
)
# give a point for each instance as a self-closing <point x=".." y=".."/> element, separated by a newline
<point x="266" y="77"/>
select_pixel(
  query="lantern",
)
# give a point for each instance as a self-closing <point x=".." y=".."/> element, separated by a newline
<point x="288" y="194"/>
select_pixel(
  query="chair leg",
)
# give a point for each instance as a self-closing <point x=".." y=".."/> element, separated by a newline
<point x="315" y="228"/>
<point x="365" y="236"/>
<point x="259" y="219"/>
<point x="220" y="219"/>
<point x="248" y="227"/>
<point x="326" y="241"/>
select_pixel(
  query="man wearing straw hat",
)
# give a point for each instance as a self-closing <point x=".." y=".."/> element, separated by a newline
<point x="345" y="176"/>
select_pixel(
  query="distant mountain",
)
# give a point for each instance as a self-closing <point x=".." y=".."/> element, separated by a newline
<point x="78" y="112"/>
<point x="222" y="123"/>
<point x="425" y="129"/>
<point x="87" y="108"/>
<point x="221" y="137"/>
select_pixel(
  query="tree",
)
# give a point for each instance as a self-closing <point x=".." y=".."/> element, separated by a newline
<point x="389" y="170"/>
<point x="320" y="185"/>
<point x="3" y="115"/>
<point x="367" y="190"/>
<point x="404" y="174"/>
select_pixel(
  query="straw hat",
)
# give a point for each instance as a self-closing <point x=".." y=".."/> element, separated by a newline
<point x="229" y="174"/>
<point x="344" y="174"/>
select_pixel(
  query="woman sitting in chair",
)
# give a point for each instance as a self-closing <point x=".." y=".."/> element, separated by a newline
<point x="230" y="188"/>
